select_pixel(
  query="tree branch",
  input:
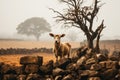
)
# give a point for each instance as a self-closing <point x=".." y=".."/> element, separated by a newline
<point x="68" y="2"/>
<point x="61" y="16"/>
<point x="97" y="48"/>
<point x="93" y="14"/>
<point x="98" y="30"/>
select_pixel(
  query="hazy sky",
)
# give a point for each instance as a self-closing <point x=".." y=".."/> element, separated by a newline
<point x="13" y="12"/>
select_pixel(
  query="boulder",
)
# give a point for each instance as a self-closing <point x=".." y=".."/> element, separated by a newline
<point x="91" y="61"/>
<point x="94" y="78"/>
<point x="1" y="64"/>
<point x="79" y="52"/>
<point x="58" y="71"/>
<point x="90" y="73"/>
<point x="114" y="56"/>
<point x="108" y="74"/>
<point x="21" y="77"/>
<point x="68" y="77"/>
<point x="119" y="64"/>
<point x="82" y="51"/>
<point x="19" y="69"/>
<point x="89" y="53"/>
<point x="34" y="77"/>
<point x="59" y="77"/>
<point x="62" y="63"/>
<point x="103" y="64"/>
<point x="81" y="61"/>
<point x="10" y="77"/>
<point x="109" y="64"/>
<point x="72" y="67"/>
<point x="75" y="75"/>
<point x="117" y="77"/>
<point x="48" y="77"/>
<point x="96" y="67"/>
<point x="101" y="57"/>
<point x="47" y="68"/>
<point x="31" y="60"/>
<point x="8" y="69"/>
<point x="31" y="68"/>
<point x="87" y="66"/>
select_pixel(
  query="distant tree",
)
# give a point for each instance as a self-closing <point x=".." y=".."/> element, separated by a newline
<point x="83" y="16"/>
<point x="34" y="26"/>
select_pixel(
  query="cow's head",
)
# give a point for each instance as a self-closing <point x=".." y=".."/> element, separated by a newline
<point x="57" y="37"/>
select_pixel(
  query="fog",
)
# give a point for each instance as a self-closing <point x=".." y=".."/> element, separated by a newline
<point x="13" y="12"/>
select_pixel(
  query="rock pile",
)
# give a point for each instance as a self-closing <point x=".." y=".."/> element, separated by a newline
<point x="83" y="65"/>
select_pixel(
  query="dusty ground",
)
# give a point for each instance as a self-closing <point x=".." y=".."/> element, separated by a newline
<point x="31" y="44"/>
<point x="14" y="59"/>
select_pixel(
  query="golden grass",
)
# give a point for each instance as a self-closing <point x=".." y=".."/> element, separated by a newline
<point x="15" y="58"/>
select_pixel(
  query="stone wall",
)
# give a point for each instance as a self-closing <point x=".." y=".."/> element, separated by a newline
<point x="83" y="65"/>
<point x="24" y="50"/>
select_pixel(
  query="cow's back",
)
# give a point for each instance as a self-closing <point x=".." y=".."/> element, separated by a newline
<point x="65" y="47"/>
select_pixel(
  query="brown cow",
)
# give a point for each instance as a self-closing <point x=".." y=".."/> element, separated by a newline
<point x="60" y="49"/>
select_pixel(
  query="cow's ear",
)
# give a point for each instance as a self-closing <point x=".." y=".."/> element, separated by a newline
<point x="62" y="35"/>
<point x="51" y="34"/>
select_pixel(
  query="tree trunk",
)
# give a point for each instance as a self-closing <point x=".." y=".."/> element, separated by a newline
<point x="97" y="48"/>
<point x="89" y="42"/>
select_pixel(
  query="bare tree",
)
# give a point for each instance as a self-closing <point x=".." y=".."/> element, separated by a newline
<point x="83" y="17"/>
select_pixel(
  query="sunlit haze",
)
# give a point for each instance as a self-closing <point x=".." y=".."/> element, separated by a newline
<point x="13" y="12"/>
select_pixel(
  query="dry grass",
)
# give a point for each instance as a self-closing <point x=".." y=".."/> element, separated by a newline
<point x="15" y="58"/>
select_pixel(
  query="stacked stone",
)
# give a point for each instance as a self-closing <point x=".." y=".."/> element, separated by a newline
<point x="24" y="50"/>
<point x="87" y="65"/>
<point x="9" y="72"/>
<point x="30" y="66"/>
<point x="28" y="70"/>
<point x="84" y="64"/>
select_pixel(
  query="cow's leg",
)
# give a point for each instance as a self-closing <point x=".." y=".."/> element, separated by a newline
<point x="56" y="57"/>
<point x="60" y="57"/>
<point x="68" y="55"/>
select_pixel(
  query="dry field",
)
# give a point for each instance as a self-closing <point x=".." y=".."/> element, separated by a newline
<point x="14" y="58"/>
<point x="31" y="44"/>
